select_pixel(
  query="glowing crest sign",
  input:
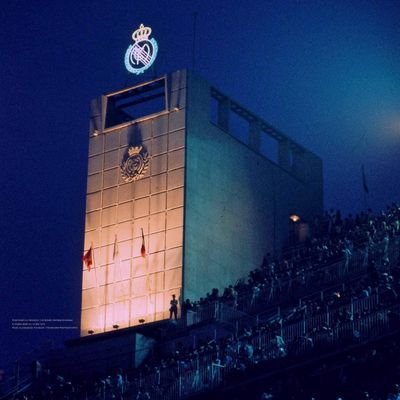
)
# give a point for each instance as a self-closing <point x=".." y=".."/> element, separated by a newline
<point x="141" y="54"/>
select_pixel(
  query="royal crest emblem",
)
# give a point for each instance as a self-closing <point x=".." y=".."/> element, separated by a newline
<point x="135" y="163"/>
<point x="141" y="54"/>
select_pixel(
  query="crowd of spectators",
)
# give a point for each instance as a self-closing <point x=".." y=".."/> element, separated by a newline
<point x="268" y="341"/>
<point x="371" y="372"/>
<point x="333" y="239"/>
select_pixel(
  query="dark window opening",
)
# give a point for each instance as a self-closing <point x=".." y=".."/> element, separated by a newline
<point x="135" y="103"/>
<point x="269" y="147"/>
<point x="239" y="127"/>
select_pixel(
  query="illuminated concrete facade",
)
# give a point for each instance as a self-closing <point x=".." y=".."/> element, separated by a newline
<point x="123" y="287"/>
<point x="210" y="204"/>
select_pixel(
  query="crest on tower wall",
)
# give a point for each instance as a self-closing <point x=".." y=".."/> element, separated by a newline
<point x="135" y="164"/>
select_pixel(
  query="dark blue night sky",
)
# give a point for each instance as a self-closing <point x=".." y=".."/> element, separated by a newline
<point x="327" y="73"/>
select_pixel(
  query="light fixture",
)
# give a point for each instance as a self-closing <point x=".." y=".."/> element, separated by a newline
<point x="90" y="332"/>
<point x="141" y="320"/>
<point x="115" y="326"/>
<point x="294" y="217"/>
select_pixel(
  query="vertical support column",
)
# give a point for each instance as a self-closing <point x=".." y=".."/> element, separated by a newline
<point x="284" y="154"/>
<point x="223" y="114"/>
<point x="104" y="105"/>
<point x="255" y="135"/>
<point x="96" y="117"/>
<point x="298" y="167"/>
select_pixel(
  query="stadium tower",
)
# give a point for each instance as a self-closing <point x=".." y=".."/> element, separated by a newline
<point x="187" y="191"/>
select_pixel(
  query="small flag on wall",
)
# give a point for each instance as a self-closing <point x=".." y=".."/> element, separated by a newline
<point x="364" y="180"/>
<point x="115" y="251"/>
<point x="88" y="258"/>
<point x="143" y="248"/>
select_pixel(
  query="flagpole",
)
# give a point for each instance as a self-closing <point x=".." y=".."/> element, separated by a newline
<point x="105" y="294"/>
<point x="131" y="267"/>
<point x="365" y="201"/>
<point x="152" y="301"/>
<point x="115" y="258"/>
<point x="365" y="187"/>
<point x="94" y="264"/>
<point x="101" y="236"/>
<point x="194" y="41"/>
<point x="145" y="254"/>
<point x="94" y="267"/>
<point x="115" y="270"/>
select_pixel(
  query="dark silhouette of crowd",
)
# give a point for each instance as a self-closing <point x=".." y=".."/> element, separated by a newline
<point x="344" y="286"/>
<point x="333" y="239"/>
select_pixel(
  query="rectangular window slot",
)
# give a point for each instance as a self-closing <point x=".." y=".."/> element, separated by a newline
<point x="135" y="103"/>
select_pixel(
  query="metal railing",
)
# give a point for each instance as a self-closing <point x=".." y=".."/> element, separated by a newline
<point x="322" y="330"/>
<point x="206" y="371"/>
<point x="286" y="291"/>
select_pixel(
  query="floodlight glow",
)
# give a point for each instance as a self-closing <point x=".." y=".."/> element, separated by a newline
<point x="140" y="55"/>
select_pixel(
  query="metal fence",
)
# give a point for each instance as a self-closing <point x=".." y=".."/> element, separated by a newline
<point x="322" y="330"/>
<point x="206" y="371"/>
<point x="286" y="291"/>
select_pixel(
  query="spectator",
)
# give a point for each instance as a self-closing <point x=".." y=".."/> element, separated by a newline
<point x="173" y="309"/>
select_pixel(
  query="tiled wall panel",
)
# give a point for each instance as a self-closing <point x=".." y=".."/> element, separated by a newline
<point x="122" y="286"/>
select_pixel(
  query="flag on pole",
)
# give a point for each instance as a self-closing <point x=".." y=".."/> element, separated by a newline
<point x="88" y="258"/>
<point x="364" y="181"/>
<point x="143" y="248"/>
<point x="115" y="251"/>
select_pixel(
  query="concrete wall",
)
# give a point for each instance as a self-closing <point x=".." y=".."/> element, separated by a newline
<point x="101" y="354"/>
<point x="237" y="202"/>
<point x="120" y="289"/>
<point x="211" y="205"/>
